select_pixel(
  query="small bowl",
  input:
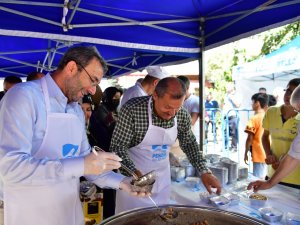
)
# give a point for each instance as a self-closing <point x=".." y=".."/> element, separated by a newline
<point x="257" y="200"/>
<point x="233" y="198"/>
<point x="193" y="182"/>
<point x="205" y="197"/>
<point x="292" y="219"/>
<point x="271" y="214"/>
<point x="220" y="202"/>
<point x="144" y="183"/>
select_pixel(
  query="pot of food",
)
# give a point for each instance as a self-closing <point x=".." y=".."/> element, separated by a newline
<point x="185" y="215"/>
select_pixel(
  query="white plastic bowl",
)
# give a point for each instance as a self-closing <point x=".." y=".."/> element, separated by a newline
<point x="292" y="219"/>
<point x="220" y="202"/>
<point x="258" y="200"/>
<point x="271" y="214"/>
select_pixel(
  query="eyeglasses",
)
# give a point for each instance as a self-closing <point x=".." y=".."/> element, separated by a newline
<point x="94" y="81"/>
<point x="296" y="110"/>
<point x="288" y="92"/>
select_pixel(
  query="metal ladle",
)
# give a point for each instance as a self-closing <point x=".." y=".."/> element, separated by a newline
<point x="135" y="176"/>
<point x="168" y="214"/>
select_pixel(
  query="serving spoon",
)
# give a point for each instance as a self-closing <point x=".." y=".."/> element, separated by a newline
<point x="135" y="176"/>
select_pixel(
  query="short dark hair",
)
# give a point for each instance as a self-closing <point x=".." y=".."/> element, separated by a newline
<point x="185" y="80"/>
<point x="32" y="75"/>
<point x="262" y="89"/>
<point x="82" y="55"/>
<point x="262" y="98"/>
<point x="272" y="100"/>
<point x="163" y="87"/>
<point x="12" y="79"/>
<point x="294" y="82"/>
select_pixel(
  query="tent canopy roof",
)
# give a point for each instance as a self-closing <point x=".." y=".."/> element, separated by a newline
<point x="130" y="34"/>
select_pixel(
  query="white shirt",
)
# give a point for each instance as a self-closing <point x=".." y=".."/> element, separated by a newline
<point x="23" y="125"/>
<point x="133" y="92"/>
<point x="295" y="146"/>
<point x="228" y="104"/>
<point x="191" y="104"/>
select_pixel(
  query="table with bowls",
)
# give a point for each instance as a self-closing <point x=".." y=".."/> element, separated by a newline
<point x="278" y="205"/>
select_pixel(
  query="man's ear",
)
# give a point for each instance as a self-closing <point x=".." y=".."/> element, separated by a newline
<point x="71" y="67"/>
<point x="154" y="95"/>
<point x="155" y="82"/>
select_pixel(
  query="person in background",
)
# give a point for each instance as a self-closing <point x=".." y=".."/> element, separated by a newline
<point x="146" y="128"/>
<point x="147" y="86"/>
<point x="97" y="97"/>
<point x="262" y="90"/>
<point x="291" y="162"/>
<point x="191" y="102"/>
<point x="254" y="131"/>
<point x="87" y="107"/>
<point x="211" y="107"/>
<point x="103" y="123"/>
<point x="272" y="100"/>
<point x="232" y="102"/>
<point x="8" y="83"/>
<point x="280" y="129"/>
<point x="34" y="76"/>
<point x="44" y="148"/>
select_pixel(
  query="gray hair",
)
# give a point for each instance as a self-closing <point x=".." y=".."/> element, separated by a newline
<point x="166" y="85"/>
<point x="82" y="55"/>
<point x="295" y="98"/>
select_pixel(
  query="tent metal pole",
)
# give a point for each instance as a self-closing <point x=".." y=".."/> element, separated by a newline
<point x="21" y="62"/>
<point x="257" y="9"/>
<point x="201" y="82"/>
<point x="29" y="16"/>
<point x="130" y="20"/>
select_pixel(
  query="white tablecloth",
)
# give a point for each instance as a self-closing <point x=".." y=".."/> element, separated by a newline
<point x="281" y="197"/>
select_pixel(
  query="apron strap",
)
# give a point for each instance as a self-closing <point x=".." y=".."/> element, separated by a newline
<point x="46" y="93"/>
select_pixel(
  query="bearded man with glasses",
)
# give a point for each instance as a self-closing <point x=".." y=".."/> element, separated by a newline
<point x="44" y="148"/>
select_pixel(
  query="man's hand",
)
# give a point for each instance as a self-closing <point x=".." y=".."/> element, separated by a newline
<point x="100" y="163"/>
<point x="210" y="181"/>
<point x="126" y="186"/>
<point x="246" y="158"/>
<point x="259" y="185"/>
<point x="271" y="159"/>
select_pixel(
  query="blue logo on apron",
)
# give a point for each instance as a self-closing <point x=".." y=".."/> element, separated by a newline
<point x="69" y="150"/>
<point x="159" y="152"/>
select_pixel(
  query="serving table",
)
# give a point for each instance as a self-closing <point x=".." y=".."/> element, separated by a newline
<point x="281" y="197"/>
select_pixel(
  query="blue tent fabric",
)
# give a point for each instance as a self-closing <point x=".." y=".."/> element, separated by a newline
<point x="130" y="34"/>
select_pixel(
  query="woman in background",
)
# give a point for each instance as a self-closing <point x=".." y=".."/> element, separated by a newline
<point x="102" y="125"/>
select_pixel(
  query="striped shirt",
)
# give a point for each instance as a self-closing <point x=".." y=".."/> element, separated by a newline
<point x="132" y="126"/>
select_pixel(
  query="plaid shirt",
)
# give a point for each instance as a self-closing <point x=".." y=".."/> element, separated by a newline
<point x="132" y="126"/>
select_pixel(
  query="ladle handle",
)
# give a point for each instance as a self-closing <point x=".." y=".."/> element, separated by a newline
<point x="96" y="148"/>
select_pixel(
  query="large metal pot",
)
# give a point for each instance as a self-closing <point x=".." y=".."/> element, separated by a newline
<point x="186" y="215"/>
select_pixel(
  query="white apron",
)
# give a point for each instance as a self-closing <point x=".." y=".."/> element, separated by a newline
<point x="45" y="201"/>
<point x="151" y="154"/>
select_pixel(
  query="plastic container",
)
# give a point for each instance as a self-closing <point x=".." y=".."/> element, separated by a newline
<point x="193" y="182"/>
<point x="233" y="198"/>
<point x="257" y="200"/>
<point x="271" y="214"/>
<point x="205" y="197"/>
<point x="292" y="219"/>
<point x="220" y="202"/>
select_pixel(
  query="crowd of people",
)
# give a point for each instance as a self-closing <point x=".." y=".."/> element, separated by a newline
<point x="50" y="123"/>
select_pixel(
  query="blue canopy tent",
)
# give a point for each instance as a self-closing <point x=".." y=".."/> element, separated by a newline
<point x="127" y="32"/>
<point x="130" y="34"/>
<point x="282" y="64"/>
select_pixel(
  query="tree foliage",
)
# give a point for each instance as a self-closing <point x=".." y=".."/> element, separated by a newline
<point x="219" y="64"/>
